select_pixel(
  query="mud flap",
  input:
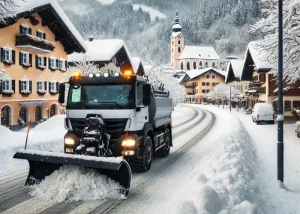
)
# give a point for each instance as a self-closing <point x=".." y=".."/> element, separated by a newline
<point x="42" y="164"/>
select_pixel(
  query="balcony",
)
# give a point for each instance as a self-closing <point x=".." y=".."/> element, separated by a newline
<point x="34" y="43"/>
<point x="191" y="85"/>
<point x="190" y="91"/>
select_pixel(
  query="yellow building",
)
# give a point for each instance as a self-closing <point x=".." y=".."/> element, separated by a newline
<point x="198" y="83"/>
<point x="34" y="48"/>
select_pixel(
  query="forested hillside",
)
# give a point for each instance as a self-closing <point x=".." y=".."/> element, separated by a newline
<point x="204" y="22"/>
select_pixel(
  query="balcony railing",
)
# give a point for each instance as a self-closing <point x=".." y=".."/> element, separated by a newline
<point x="190" y="91"/>
<point x="191" y="85"/>
<point x="34" y="43"/>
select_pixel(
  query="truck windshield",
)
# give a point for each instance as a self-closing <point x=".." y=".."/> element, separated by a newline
<point x="101" y="95"/>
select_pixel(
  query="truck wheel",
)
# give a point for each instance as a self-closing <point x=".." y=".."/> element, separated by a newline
<point x="144" y="164"/>
<point x="165" y="151"/>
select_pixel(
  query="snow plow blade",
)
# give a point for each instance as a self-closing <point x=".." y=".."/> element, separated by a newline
<point x="42" y="164"/>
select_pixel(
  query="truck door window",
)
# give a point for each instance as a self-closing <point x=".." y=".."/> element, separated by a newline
<point x="139" y="99"/>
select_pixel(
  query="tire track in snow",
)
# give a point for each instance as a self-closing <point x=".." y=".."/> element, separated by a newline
<point x="195" y="113"/>
<point x="145" y="186"/>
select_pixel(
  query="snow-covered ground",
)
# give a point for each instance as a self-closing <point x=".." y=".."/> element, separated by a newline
<point x="232" y="169"/>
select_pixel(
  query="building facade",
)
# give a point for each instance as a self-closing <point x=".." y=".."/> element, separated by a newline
<point x="34" y="48"/>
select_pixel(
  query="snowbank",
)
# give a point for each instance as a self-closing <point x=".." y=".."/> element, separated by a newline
<point x="225" y="182"/>
<point x="71" y="183"/>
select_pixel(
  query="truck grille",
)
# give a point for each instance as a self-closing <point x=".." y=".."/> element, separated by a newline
<point x="112" y="125"/>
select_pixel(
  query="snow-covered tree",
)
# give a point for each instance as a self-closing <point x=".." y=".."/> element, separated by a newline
<point x="7" y="8"/>
<point x="84" y="66"/>
<point x="223" y="90"/>
<point x="268" y="26"/>
<point x="157" y="75"/>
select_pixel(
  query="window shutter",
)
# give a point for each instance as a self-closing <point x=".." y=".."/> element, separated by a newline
<point x="45" y="61"/>
<point x="1" y="86"/>
<point x="13" y="56"/>
<point x="2" y="54"/>
<point x="36" y="61"/>
<point x="30" y="86"/>
<point x="44" y="35"/>
<point x="45" y="86"/>
<point x="20" y="86"/>
<point x="49" y="63"/>
<point x="57" y="61"/>
<point x="30" y="60"/>
<point x="57" y="83"/>
<point x="21" y="29"/>
<point x="20" y="58"/>
<point x="49" y="86"/>
<point x="37" y="86"/>
<point x="66" y="65"/>
<point x="30" y="31"/>
<point x="13" y="85"/>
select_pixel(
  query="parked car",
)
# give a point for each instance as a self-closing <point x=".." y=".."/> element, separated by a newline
<point x="263" y="112"/>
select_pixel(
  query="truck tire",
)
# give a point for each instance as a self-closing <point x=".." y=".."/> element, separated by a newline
<point x="144" y="163"/>
<point x="165" y="151"/>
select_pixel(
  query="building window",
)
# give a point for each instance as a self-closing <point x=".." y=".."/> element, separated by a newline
<point x="178" y="42"/>
<point x="203" y="91"/>
<point x="206" y="65"/>
<point x="7" y="85"/>
<point x="25" y="86"/>
<point x="287" y="105"/>
<point x="200" y="63"/>
<point x="203" y="84"/>
<point x="41" y="62"/>
<point x="25" y="59"/>
<point x="207" y="84"/>
<point x="172" y="50"/>
<point x="172" y="43"/>
<point x="213" y="77"/>
<point x="296" y="105"/>
<point x="62" y="64"/>
<point x="24" y="29"/>
<point x="188" y="66"/>
<point x="194" y="65"/>
<point x="178" y="49"/>
<point x="40" y="34"/>
<point x="207" y="91"/>
<point x="7" y="55"/>
<point x="213" y="64"/>
<point x="214" y="83"/>
<point x="41" y="86"/>
<point x="53" y="63"/>
<point x="181" y="65"/>
<point x="53" y="87"/>
<point x="207" y="76"/>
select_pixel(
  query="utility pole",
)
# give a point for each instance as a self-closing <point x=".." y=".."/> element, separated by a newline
<point x="280" y="117"/>
<point x="230" y="97"/>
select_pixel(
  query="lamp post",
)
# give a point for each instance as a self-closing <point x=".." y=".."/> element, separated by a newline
<point x="280" y="117"/>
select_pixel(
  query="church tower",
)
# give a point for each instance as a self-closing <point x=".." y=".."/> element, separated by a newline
<point x="177" y="43"/>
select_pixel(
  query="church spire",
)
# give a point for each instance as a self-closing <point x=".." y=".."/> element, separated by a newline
<point x="176" y="26"/>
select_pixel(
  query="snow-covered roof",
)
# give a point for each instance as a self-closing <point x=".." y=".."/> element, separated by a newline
<point x="192" y="74"/>
<point x="199" y="52"/>
<point x="254" y="53"/>
<point x="257" y="56"/>
<point x="100" y="50"/>
<point x="136" y="61"/>
<point x="40" y="5"/>
<point x="237" y="69"/>
<point x="176" y="26"/>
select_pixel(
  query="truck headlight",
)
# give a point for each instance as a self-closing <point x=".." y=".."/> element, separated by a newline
<point x="128" y="142"/>
<point x="69" y="141"/>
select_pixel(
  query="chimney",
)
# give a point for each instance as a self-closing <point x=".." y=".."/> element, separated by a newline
<point x="91" y="38"/>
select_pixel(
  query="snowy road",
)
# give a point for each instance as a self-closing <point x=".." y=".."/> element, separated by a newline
<point x="190" y="125"/>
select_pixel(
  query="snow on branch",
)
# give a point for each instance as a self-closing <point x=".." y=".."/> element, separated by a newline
<point x="268" y="26"/>
<point x="85" y="67"/>
<point x="158" y="75"/>
<point x="223" y="90"/>
<point x="7" y="8"/>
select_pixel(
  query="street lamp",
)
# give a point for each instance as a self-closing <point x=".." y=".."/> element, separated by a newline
<point x="280" y="117"/>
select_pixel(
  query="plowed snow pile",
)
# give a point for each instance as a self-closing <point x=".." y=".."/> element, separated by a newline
<point x="72" y="183"/>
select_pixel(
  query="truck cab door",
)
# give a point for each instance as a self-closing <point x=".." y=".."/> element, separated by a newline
<point x="142" y="111"/>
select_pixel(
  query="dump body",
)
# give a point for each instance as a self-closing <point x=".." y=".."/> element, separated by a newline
<point x="160" y="110"/>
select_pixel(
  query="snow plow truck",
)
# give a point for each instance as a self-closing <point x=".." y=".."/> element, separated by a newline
<point x="113" y="118"/>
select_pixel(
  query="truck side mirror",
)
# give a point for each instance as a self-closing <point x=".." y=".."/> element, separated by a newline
<point x="61" y="92"/>
<point x="146" y="94"/>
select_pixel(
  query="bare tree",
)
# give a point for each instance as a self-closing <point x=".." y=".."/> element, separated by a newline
<point x="85" y="67"/>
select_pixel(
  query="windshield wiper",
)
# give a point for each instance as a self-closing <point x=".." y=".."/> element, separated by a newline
<point x="91" y="105"/>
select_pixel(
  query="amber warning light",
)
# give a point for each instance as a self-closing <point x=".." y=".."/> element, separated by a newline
<point x="77" y="74"/>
